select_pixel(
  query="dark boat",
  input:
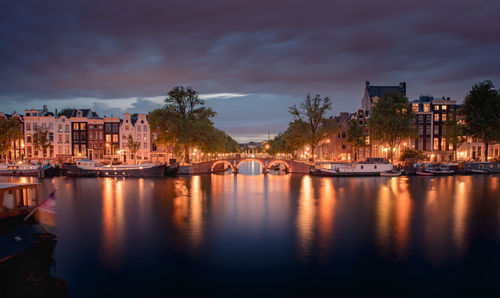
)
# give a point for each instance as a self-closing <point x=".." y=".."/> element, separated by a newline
<point x="482" y="167"/>
<point x="91" y="168"/>
<point x="26" y="249"/>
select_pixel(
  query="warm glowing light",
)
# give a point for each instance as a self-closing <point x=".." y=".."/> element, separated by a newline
<point x="307" y="149"/>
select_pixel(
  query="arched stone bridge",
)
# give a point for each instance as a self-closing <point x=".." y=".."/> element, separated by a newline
<point x="291" y="166"/>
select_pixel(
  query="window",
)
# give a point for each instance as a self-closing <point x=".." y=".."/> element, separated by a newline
<point x="76" y="136"/>
<point x="443" y="143"/>
<point x="59" y="128"/>
<point x="100" y="135"/>
<point x="436" y="130"/>
<point x="436" y="117"/>
<point x="75" y="150"/>
<point x="436" y="144"/>
<point x="145" y="145"/>
<point x="108" y="138"/>
<point x="51" y="125"/>
<point x="84" y="150"/>
<point x="443" y="130"/>
<point x="420" y="129"/>
<point x="420" y="118"/>
<point x="67" y="138"/>
<point x="443" y="107"/>
<point x="428" y="129"/>
<point x="82" y="126"/>
<point x="138" y="128"/>
<point x="28" y="151"/>
<point x="66" y="128"/>
<point x="126" y="127"/>
<point x="414" y="107"/>
<point x="108" y="127"/>
<point x="115" y="138"/>
<point x="91" y="136"/>
<point x="59" y="139"/>
<point x="478" y="150"/>
<point x="28" y="126"/>
<point x="75" y="126"/>
<point x="28" y="138"/>
<point x="51" y="136"/>
<point x="428" y="118"/>
<point x="115" y="127"/>
<point x="427" y="107"/>
<point x="443" y="117"/>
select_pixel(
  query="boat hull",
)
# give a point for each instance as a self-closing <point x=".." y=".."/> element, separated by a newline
<point x="156" y="171"/>
<point x="323" y="173"/>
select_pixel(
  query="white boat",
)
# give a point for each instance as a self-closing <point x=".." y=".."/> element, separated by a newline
<point x="353" y="169"/>
<point x="25" y="170"/>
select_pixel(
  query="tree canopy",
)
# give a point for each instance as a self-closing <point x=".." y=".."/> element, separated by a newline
<point x="392" y="120"/>
<point x="454" y="132"/>
<point x="311" y="124"/>
<point x="355" y="136"/>
<point x="186" y="123"/>
<point x="9" y="133"/>
<point x="65" y="112"/>
<point x="133" y="146"/>
<point x="41" y="140"/>
<point x="481" y="110"/>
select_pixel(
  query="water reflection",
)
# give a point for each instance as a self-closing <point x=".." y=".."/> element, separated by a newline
<point x="305" y="218"/>
<point x="459" y="217"/>
<point x="113" y="223"/>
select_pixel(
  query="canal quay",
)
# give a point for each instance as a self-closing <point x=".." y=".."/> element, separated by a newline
<point x="274" y="235"/>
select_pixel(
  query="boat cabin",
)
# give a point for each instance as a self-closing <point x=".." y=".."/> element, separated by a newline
<point x="17" y="199"/>
<point x="88" y="164"/>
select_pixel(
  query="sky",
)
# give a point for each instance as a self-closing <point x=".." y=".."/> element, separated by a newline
<point x="250" y="60"/>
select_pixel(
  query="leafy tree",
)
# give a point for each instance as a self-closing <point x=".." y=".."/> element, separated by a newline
<point x="65" y="112"/>
<point x="408" y="153"/>
<point x="41" y="140"/>
<point x="356" y="136"/>
<point x="183" y="121"/>
<point x="10" y="132"/>
<point x="133" y="146"/>
<point x="454" y="132"/>
<point x="481" y="110"/>
<point x="392" y="120"/>
<point x="311" y="124"/>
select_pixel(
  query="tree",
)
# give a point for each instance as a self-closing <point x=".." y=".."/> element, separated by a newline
<point x="408" y="153"/>
<point x="65" y="112"/>
<point x="454" y="132"/>
<point x="133" y="146"/>
<point x="183" y="121"/>
<point x="356" y="136"/>
<point x="392" y="120"/>
<point x="311" y="121"/>
<point x="481" y="110"/>
<point x="10" y="132"/>
<point x="41" y="140"/>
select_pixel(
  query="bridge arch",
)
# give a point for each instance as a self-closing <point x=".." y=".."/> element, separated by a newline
<point x="278" y="161"/>
<point x="222" y="162"/>
<point x="262" y="164"/>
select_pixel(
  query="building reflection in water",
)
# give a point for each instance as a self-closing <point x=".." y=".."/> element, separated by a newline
<point x="113" y="223"/>
<point x="188" y="213"/>
<point x="326" y="215"/>
<point x="394" y="212"/>
<point x="305" y="218"/>
<point x="460" y="207"/>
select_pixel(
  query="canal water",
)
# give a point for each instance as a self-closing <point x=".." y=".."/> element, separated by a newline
<point x="271" y="235"/>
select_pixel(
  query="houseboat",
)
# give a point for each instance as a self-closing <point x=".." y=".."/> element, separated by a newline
<point x="26" y="249"/>
<point x="439" y="170"/>
<point x="27" y="170"/>
<point x="91" y="168"/>
<point x="482" y="167"/>
<point x="351" y="169"/>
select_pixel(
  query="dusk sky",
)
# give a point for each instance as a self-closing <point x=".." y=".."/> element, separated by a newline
<point x="249" y="59"/>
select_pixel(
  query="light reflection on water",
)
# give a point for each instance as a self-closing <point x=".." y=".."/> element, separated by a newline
<point x="269" y="224"/>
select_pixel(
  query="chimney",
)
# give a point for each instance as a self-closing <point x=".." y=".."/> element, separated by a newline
<point x="367" y="83"/>
<point x="55" y="112"/>
<point x="45" y="108"/>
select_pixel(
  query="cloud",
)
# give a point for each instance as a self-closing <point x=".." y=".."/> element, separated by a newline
<point x="86" y="52"/>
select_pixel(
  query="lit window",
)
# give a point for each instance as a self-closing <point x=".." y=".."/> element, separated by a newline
<point x="415" y="107"/>
<point x="436" y="117"/>
<point x="443" y="107"/>
<point x="443" y="117"/>
<point x="427" y="107"/>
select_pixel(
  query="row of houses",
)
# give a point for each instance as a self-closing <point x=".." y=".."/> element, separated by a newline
<point x="431" y="114"/>
<point x="84" y="134"/>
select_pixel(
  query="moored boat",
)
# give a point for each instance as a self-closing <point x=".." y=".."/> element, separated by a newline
<point x="352" y="169"/>
<point x="91" y="168"/>
<point x="26" y="170"/>
<point x="422" y="173"/>
<point x="482" y="167"/>
<point x="440" y="170"/>
<point x="391" y="173"/>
